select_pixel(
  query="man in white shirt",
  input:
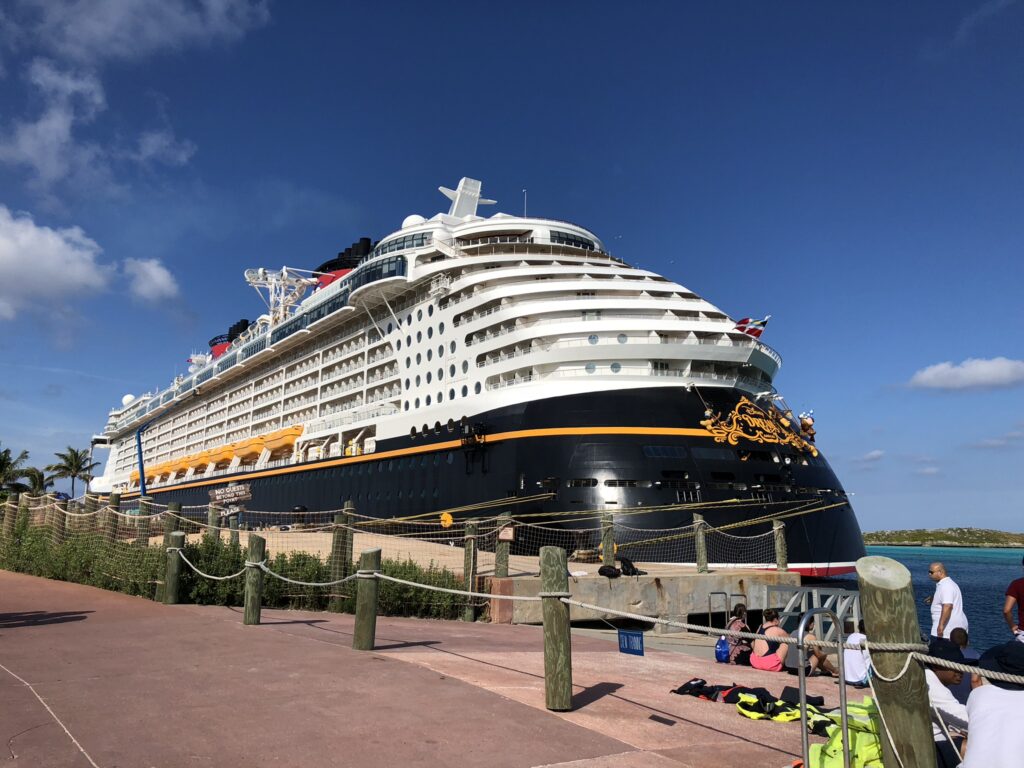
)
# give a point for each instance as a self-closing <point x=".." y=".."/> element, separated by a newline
<point x="994" y="708"/>
<point x="947" y="604"/>
<point x="856" y="663"/>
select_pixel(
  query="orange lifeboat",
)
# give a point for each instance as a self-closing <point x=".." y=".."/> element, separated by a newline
<point x="222" y="453"/>
<point x="199" y="460"/>
<point x="283" y="438"/>
<point x="250" y="448"/>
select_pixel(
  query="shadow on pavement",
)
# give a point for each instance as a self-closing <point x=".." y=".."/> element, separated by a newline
<point x="38" y="618"/>
<point x="593" y="693"/>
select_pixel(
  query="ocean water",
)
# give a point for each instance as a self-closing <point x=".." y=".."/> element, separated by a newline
<point x="982" y="574"/>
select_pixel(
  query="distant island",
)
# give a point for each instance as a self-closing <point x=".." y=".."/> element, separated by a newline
<point x="945" y="537"/>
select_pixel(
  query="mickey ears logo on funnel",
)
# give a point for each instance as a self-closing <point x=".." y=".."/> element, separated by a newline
<point x="446" y="520"/>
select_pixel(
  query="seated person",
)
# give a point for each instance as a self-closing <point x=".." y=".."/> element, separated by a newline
<point x="960" y="639"/>
<point x="768" y="654"/>
<point x="943" y="703"/>
<point x="818" y="662"/>
<point x="994" y="708"/>
<point x="856" y="664"/>
<point x="739" y="648"/>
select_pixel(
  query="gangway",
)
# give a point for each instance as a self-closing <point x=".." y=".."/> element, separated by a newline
<point x="796" y="601"/>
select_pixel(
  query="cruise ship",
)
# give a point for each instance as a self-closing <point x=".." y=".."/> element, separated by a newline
<point x="467" y="358"/>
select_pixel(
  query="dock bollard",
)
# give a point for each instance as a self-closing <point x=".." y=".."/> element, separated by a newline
<point x="701" y="543"/>
<point x="887" y="602"/>
<point x="365" y="633"/>
<point x="172" y="571"/>
<point x="554" y="584"/>
<point x="607" y="539"/>
<point x="781" y="558"/>
<point x="254" y="579"/>
<point x="469" y="569"/>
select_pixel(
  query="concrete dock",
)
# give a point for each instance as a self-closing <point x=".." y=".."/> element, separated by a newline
<point x="136" y="683"/>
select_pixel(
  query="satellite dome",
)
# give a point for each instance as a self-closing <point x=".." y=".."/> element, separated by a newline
<point x="127" y="399"/>
<point x="412" y="221"/>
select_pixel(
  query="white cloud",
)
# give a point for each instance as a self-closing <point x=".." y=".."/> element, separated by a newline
<point x="1005" y="440"/>
<point x="150" y="279"/>
<point x="163" y="147"/>
<point x="930" y="471"/>
<point x="91" y="31"/>
<point x="39" y="265"/>
<point x="970" y="22"/>
<point x="972" y="373"/>
<point x="871" y="457"/>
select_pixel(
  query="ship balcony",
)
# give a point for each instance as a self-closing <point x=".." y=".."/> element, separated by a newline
<point x="297" y="404"/>
<point x="335" y="391"/>
<point x="302" y="385"/>
<point x="346" y="350"/>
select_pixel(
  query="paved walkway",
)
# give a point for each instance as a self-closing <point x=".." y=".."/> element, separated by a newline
<point x="127" y="682"/>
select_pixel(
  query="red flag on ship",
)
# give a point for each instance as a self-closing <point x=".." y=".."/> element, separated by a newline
<point x="752" y="327"/>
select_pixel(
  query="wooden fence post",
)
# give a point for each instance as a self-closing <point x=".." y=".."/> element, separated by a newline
<point x="887" y="602"/>
<point x="169" y="521"/>
<point x="142" y="521"/>
<point x="365" y="633"/>
<point x="469" y="569"/>
<point x="348" y="539"/>
<point x="233" y="525"/>
<point x="172" y="573"/>
<point x="781" y="558"/>
<point x="554" y="584"/>
<point x="109" y="519"/>
<point x="254" y="579"/>
<point x="502" y="548"/>
<point x="338" y="565"/>
<point x="213" y="514"/>
<point x="607" y="539"/>
<point x="11" y="514"/>
<point x="59" y="522"/>
<point x="701" y="543"/>
<point x="91" y="502"/>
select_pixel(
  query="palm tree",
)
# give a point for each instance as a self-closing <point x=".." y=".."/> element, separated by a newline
<point x="75" y="464"/>
<point x="38" y="482"/>
<point x="12" y="469"/>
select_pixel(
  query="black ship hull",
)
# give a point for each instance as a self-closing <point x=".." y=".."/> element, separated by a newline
<point x="612" y="451"/>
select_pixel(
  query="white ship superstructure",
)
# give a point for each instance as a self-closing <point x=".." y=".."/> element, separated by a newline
<point x="444" y="319"/>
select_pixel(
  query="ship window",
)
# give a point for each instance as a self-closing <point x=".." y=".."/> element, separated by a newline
<point x="407" y="384"/>
<point x="430" y="310"/>
<point x="452" y="347"/>
<point x="723" y="477"/>
<point x="429" y="376"/>
<point x="465" y="390"/>
<point x="583" y="482"/>
<point x="419" y="336"/>
<point x="430" y="354"/>
<point x="451" y="422"/>
<point x="428" y="399"/>
<point x="440" y="397"/>
<point x="440" y="329"/>
<point x="451" y="370"/>
<point x="430" y="332"/>
<point x="408" y="362"/>
<point x="408" y="340"/>
<point x="419" y="358"/>
<point x="440" y="351"/>
<point x="476" y="388"/>
<point x="423" y="461"/>
<point x="408" y="319"/>
<point x="417" y="380"/>
<point x="407" y="405"/>
<point x="417" y="402"/>
<point x="616" y="483"/>
<point x="419" y="314"/>
<point x="622" y="338"/>
<point x="592" y="338"/>
<point x="590" y="367"/>
<point x="391" y="327"/>
<point x="616" y="367"/>
<point x="412" y="432"/>
<point x="465" y="366"/>
<point x="437" y="431"/>
<point x="440" y="373"/>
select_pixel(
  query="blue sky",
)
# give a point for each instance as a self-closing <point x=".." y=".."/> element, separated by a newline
<point x="855" y="171"/>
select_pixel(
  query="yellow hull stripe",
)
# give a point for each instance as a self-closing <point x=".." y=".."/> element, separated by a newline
<point x="443" y="446"/>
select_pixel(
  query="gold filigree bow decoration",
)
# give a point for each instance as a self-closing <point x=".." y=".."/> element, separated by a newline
<point x="749" y="422"/>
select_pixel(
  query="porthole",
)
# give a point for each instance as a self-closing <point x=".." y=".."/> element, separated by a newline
<point x="430" y="354"/>
<point x="423" y="461"/>
<point x="408" y="319"/>
<point x="399" y="344"/>
<point x="428" y="400"/>
<point x="391" y="327"/>
<point x="430" y="332"/>
<point x="451" y="422"/>
<point x="440" y="373"/>
<point x="465" y="366"/>
<point x="451" y="393"/>
<point x="592" y="338"/>
<point x="622" y="338"/>
<point x="451" y="370"/>
<point x="452" y="347"/>
<point x="616" y="367"/>
<point x="417" y="402"/>
<point x="419" y="358"/>
<point x="465" y="390"/>
<point x="429" y="376"/>
<point x="407" y="384"/>
<point x="407" y="405"/>
<point x="419" y="314"/>
<point x="440" y="351"/>
<point x="591" y="368"/>
<point x="412" y="432"/>
<point x="419" y="336"/>
<point x="437" y="431"/>
<point x="440" y="397"/>
<point x="430" y="310"/>
<point x="476" y="388"/>
<point x="417" y="381"/>
<point x="440" y="328"/>
<point x="408" y="362"/>
<point x="408" y="340"/>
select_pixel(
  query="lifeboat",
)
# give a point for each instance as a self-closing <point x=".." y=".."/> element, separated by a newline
<point x="134" y="476"/>
<point x="222" y="453"/>
<point x="199" y="460"/>
<point x="250" y="448"/>
<point x="275" y="442"/>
